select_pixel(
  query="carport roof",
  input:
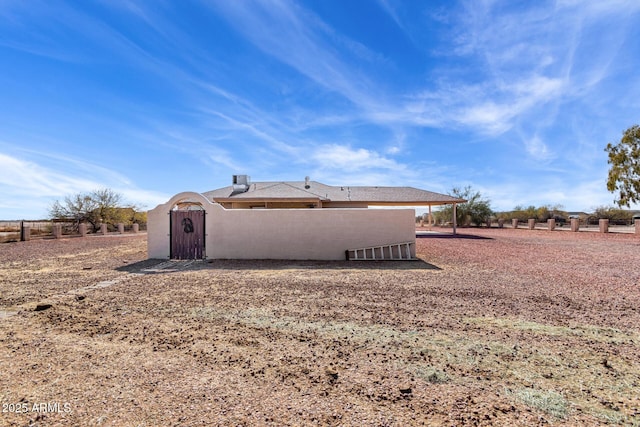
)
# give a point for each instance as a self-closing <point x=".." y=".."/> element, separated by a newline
<point x="316" y="191"/>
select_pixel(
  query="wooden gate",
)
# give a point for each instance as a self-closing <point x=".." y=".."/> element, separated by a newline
<point x="187" y="234"/>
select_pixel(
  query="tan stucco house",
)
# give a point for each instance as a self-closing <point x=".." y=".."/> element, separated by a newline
<point x="289" y="220"/>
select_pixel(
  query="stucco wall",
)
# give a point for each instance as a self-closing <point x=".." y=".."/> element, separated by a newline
<point x="321" y="234"/>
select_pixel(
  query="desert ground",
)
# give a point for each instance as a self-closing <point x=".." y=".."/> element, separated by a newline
<point x="493" y="327"/>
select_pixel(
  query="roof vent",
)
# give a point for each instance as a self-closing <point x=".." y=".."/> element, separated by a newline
<point x="306" y="182"/>
<point x="240" y="184"/>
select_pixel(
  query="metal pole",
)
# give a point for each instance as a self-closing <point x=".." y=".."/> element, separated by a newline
<point x="455" y="215"/>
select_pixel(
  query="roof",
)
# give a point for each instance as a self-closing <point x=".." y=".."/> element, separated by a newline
<point x="314" y="191"/>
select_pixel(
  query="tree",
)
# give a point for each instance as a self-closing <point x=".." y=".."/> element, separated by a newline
<point x="624" y="175"/>
<point x="96" y="207"/>
<point x="476" y="210"/>
<point x="615" y="216"/>
<point x="540" y="214"/>
<point x="522" y="214"/>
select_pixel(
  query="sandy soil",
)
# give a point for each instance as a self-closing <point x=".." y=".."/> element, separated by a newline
<point x="494" y="327"/>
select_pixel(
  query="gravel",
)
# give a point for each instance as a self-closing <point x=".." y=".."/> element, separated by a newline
<point x="493" y="327"/>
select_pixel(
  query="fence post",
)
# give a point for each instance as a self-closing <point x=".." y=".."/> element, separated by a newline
<point x="637" y="223"/>
<point x="532" y="223"/>
<point x="120" y="228"/>
<point x="57" y="231"/>
<point x="551" y="224"/>
<point x="136" y="228"/>
<point x="514" y="223"/>
<point x="103" y="229"/>
<point x="25" y="232"/>
<point x="82" y="229"/>
<point x="575" y="224"/>
<point x="604" y="225"/>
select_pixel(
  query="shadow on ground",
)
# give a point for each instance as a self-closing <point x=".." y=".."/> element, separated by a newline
<point x="451" y="236"/>
<point x="157" y="266"/>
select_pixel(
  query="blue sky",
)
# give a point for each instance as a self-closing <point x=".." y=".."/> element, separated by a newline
<point x="150" y="98"/>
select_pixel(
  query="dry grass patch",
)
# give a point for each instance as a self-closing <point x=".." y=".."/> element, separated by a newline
<point x="547" y="401"/>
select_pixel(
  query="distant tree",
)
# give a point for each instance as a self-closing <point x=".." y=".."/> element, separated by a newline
<point x="540" y="214"/>
<point x="556" y="212"/>
<point x="475" y="211"/>
<point x="95" y="208"/>
<point x="614" y="215"/>
<point x="522" y="214"/>
<point x="624" y="175"/>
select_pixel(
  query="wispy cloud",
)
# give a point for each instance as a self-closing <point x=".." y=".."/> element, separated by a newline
<point x="537" y="148"/>
<point x="524" y="63"/>
<point x="255" y="131"/>
<point x="282" y="88"/>
<point x="295" y="36"/>
<point x="584" y="195"/>
<point x="45" y="181"/>
<point x="40" y="184"/>
<point x="490" y="108"/>
<point x="526" y="56"/>
<point x="344" y="157"/>
<point x="392" y="11"/>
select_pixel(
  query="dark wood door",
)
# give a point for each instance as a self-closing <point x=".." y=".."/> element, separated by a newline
<point x="187" y="234"/>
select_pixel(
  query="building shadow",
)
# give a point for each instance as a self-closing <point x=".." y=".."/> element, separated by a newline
<point x="157" y="266"/>
<point x="433" y="235"/>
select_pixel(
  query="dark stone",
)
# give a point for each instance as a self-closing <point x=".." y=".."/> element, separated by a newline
<point x="332" y="373"/>
<point x="405" y="390"/>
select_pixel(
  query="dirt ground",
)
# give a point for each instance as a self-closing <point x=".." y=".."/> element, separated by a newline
<point x="493" y="327"/>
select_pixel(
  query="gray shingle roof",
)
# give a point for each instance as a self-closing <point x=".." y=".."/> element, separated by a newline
<point x="295" y="190"/>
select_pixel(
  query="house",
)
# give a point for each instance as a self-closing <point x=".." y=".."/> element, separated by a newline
<point x="288" y="220"/>
<point x="243" y="194"/>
